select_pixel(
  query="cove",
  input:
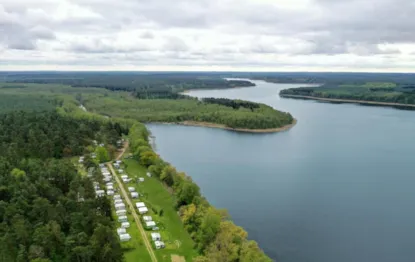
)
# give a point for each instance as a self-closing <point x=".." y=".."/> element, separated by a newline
<point x="337" y="187"/>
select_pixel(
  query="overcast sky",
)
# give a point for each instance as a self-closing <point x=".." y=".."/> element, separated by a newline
<point x="238" y="35"/>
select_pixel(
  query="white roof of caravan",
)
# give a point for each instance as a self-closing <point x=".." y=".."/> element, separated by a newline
<point x="118" y="161"/>
<point x="143" y="209"/>
<point x="147" y="218"/>
<point x="155" y="235"/>
<point x="133" y="194"/>
<point x="140" y="204"/>
<point x="117" y="201"/>
<point x="125" y="236"/>
<point x="124" y="176"/>
<point x="120" y="205"/>
<point x="158" y="243"/>
<point x="150" y="223"/>
<point x="131" y="189"/>
<point x="100" y="192"/>
<point x="121" y="230"/>
<point x="110" y="192"/>
<point x="125" y="224"/>
<point x="121" y="211"/>
<point x="117" y="196"/>
<point x="122" y="217"/>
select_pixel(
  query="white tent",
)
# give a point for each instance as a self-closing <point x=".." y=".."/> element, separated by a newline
<point x="147" y="218"/>
<point x="140" y="204"/>
<point x="125" y="224"/>
<point x="118" y="162"/>
<point x="121" y="212"/>
<point x="117" y="165"/>
<point x="122" y="219"/>
<point x="134" y="194"/>
<point x="125" y="237"/>
<point x="159" y="244"/>
<point x="126" y="180"/>
<point x="119" y="206"/>
<point x="142" y="210"/>
<point x="124" y="176"/>
<point x="155" y="236"/>
<point x="121" y="231"/>
<point x="141" y="179"/>
<point x="131" y="189"/>
<point x="148" y="174"/>
<point x="120" y="171"/>
<point x="150" y="224"/>
<point x="101" y="165"/>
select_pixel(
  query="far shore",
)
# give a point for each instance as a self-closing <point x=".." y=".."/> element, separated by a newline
<point x="245" y="130"/>
<point x="335" y="100"/>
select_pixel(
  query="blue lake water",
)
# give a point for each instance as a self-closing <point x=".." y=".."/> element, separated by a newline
<point x="338" y="187"/>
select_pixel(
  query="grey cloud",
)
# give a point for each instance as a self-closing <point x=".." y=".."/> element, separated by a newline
<point x="147" y="35"/>
<point x="175" y="44"/>
<point x="324" y="28"/>
<point x="98" y="46"/>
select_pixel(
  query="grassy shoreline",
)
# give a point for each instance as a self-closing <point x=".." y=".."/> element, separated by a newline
<point x="351" y="101"/>
<point x="219" y="126"/>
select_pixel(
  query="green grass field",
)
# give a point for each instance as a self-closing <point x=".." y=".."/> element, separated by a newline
<point x="156" y="196"/>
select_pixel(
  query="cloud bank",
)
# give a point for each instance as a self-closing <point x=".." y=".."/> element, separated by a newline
<point x="250" y="35"/>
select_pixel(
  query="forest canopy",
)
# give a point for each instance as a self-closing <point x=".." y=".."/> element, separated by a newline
<point x="48" y="211"/>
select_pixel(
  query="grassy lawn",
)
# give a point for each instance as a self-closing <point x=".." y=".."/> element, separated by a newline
<point x="156" y="196"/>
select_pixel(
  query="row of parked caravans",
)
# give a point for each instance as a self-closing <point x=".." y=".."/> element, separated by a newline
<point x="107" y="177"/>
<point x="122" y="218"/>
<point x="121" y="212"/>
<point x="142" y="209"/>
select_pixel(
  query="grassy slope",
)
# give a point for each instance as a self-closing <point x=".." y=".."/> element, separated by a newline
<point x="157" y="196"/>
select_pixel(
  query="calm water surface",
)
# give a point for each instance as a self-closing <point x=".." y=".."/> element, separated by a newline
<point x="338" y="187"/>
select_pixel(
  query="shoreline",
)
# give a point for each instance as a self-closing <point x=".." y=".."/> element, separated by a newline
<point x="350" y="101"/>
<point x="220" y="126"/>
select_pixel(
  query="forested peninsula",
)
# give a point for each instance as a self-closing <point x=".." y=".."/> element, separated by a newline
<point x="48" y="205"/>
<point x="153" y="98"/>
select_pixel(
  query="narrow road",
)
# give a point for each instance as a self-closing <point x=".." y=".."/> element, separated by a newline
<point x="132" y="207"/>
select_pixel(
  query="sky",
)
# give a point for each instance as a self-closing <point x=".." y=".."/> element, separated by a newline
<point x="208" y="35"/>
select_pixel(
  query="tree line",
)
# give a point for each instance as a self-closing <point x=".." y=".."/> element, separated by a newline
<point x="404" y="94"/>
<point x="48" y="211"/>
<point x="230" y="113"/>
<point x="235" y="104"/>
<point x="217" y="238"/>
<point x="143" y="86"/>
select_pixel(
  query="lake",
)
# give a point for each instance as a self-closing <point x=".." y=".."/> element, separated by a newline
<point x="338" y="187"/>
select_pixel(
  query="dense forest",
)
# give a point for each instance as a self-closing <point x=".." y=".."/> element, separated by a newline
<point x="141" y="85"/>
<point x="369" y="91"/>
<point x="48" y="211"/>
<point x="233" y="114"/>
<point x="217" y="238"/>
